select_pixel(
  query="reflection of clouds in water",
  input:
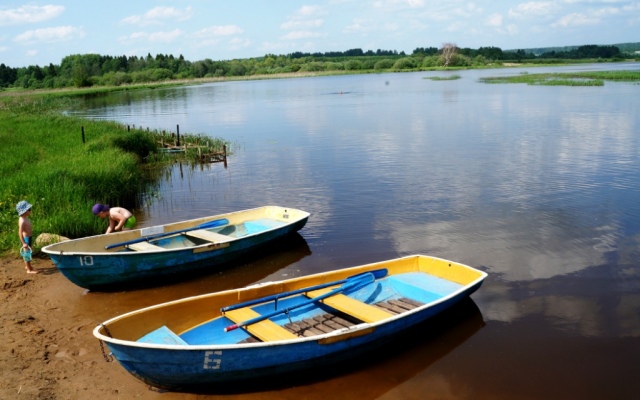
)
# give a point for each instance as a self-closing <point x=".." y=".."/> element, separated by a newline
<point x="582" y="315"/>
<point x="518" y="249"/>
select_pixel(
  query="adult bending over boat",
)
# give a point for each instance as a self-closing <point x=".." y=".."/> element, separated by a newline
<point x="120" y="219"/>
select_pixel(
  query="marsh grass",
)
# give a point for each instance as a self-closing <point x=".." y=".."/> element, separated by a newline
<point x="443" y="78"/>
<point x="45" y="162"/>
<point x="590" y="78"/>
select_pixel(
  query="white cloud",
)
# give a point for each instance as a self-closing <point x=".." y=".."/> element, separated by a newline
<point x="156" y="37"/>
<point x="309" y="12"/>
<point x="575" y="19"/>
<point x="303" y="24"/>
<point x="306" y="17"/>
<point x="165" y="37"/>
<point x="29" y="14"/>
<point x="221" y="30"/>
<point x="534" y="9"/>
<point x="157" y="15"/>
<point x="214" y="35"/>
<point x="398" y="4"/>
<point x="607" y="11"/>
<point x="298" y="24"/>
<point x="356" y="26"/>
<point x="50" y="35"/>
<point x="469" y="10"/>
<point x="494" y="20"/>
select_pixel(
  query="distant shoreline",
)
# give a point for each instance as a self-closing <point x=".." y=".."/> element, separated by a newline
<point x="287" y="75"/>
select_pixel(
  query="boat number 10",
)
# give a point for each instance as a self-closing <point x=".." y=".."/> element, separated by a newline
<point x="85" y="260"/>
<point x="210" y="362"/>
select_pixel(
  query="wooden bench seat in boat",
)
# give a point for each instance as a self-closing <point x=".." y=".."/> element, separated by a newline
<point x="266" y="330"/>
<point x="144" y="246"/>
<point x="362" y="311"/>
<point x="209" y="236"/>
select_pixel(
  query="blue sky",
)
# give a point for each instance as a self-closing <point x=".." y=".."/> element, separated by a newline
<point x="40" y="33"/>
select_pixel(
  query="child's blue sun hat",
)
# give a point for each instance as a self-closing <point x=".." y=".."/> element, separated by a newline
<point x="23" y="207"/>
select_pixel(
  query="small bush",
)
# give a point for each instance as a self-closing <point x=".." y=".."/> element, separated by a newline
<point x="383" y="64"/>
<point x="405" y="63"/>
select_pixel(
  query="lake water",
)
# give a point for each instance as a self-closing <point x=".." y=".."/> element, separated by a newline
<point x="538" y="186"/>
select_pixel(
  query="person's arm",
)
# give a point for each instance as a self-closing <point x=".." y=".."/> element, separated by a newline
<point x="112" y="225"/>
<point x="121" y="218"/>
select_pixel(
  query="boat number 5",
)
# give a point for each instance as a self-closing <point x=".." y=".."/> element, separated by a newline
<point x="212" y="363"/>
<point x="85" y="260"/>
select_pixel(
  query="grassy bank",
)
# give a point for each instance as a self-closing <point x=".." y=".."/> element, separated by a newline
<point x="45" y="161"/>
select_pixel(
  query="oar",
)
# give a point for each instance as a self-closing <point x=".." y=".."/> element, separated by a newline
<point x="377" y="274"/>
<point x="356" y="283"/>
<point x="206" y="225"/>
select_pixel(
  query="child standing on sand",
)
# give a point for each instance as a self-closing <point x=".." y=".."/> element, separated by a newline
<point x="25" y="230"/>
<point x="119" y="218"/>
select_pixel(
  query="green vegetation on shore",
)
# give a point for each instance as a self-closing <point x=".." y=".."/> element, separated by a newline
<point x="91" y="70"/>
<point x="45" y="161"/>
<point x="589" y="78"/>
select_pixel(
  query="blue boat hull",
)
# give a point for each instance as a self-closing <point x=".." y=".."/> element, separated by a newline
<point x="180" y="369"/>
<point x="87" y="263"/>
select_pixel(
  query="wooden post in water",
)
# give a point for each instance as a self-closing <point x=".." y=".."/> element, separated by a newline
<point x="178" y="134"/>
<point x="224" y="154"/>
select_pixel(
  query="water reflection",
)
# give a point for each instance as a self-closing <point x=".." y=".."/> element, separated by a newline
<point x="536" y="185"/>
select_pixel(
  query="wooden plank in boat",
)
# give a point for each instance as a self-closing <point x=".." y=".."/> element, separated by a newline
<point x="209" y="236"/>
<point x="342" y="321"/>
<point x="266" y="330"/>
<point x="144" y="246"/>
<point x="411" y="302"/>
<point x="402" y="304"/>
<point x="362" y="311"/>
<point x="389" y="307"/>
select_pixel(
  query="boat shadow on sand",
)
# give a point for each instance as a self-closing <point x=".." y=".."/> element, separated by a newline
<point x="376" y="370"/>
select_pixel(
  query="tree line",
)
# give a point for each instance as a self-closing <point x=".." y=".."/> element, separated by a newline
<point x="84" y="70"/>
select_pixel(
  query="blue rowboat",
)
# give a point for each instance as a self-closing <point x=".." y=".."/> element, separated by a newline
<point x="282" y="327"/>
<point x="129" y="257"/>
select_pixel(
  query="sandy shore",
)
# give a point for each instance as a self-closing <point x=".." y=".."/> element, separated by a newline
<point x="46" y="352"/>
<point x="47" y="348"/>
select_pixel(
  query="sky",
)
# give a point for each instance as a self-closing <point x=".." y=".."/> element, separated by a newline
<point x="40" y="33"/>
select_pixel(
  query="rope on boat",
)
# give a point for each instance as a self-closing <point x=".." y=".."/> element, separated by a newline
<point x="107" y="357"/>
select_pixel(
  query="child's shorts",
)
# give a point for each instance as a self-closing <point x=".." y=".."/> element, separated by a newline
<point x="26" y="253"/>
<point x="131" y="222"/>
